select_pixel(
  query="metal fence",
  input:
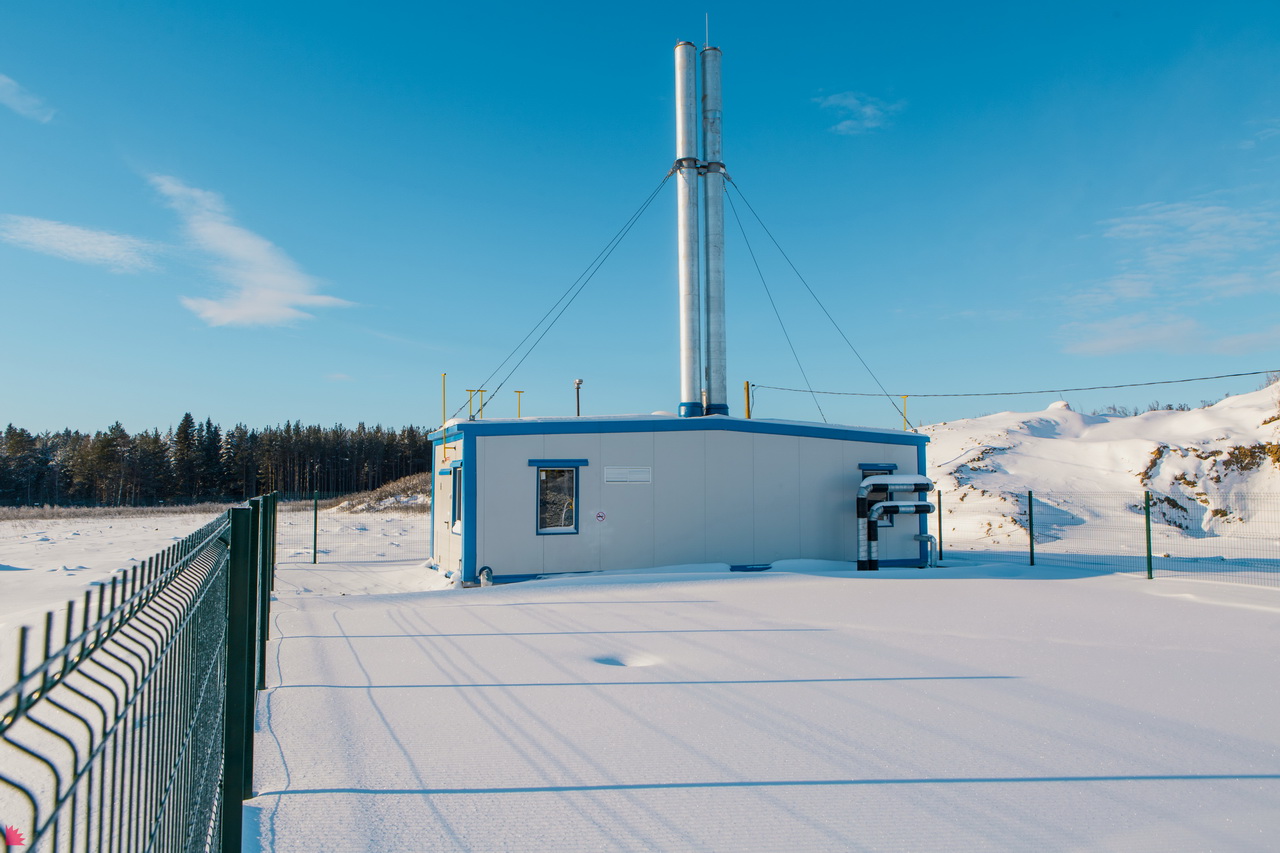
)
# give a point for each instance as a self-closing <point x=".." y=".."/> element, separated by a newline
<point x="320" y="529"/>
<point x="129" y="726"/>
<point x="1224" y="536"/>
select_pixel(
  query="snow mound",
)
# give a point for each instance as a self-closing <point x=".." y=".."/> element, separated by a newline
<point x="1209" y="470"/>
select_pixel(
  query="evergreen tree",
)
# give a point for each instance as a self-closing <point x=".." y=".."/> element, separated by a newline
<point x="182" y="455"/>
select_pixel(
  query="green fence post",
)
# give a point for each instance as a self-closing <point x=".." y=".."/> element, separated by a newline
<point x="237" y="724"/>
<point x="1031" y="524"/>
<point x="1146" y="511"/>
<point x="275" y="520"/>
<point x="255" y="589"/>
<point x="315" y="525"/>
<point x="263" y="561"/>
<point x="939" y="494"/>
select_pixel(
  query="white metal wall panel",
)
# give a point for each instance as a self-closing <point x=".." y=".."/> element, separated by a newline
<point x="506" y="502"/>
<point x="825" y="500"/>
<point x="729" y="477"/>
<point x="626" y="535"/>
<point x="680" y="509"/>
<point x="776" y="505"/>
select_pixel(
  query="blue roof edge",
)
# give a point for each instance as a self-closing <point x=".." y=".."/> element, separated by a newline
<point x="588" y="426"/>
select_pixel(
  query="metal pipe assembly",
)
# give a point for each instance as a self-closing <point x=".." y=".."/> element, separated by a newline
<point x="715" y="359"/>
<point x="872" y="507"/>
<point x="687" y="231"/>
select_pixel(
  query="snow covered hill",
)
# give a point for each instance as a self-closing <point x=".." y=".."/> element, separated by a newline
<point x="1212" y="472"/>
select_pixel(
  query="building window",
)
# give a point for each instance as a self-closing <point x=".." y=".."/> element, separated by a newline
<point x="557" y="500"/>
<point x="457" y="495"/>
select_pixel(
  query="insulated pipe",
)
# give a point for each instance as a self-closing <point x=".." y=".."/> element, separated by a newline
<point x="884" y="484"/>
<point x="687" y="231"/>
<point x="713" y="236"/>
<point x="932" y="549"/>
<point x="894" y="483"/>
<point x="869" y="556"/>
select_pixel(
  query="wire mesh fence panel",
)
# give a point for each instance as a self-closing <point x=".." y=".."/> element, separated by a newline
<point x="323" y="530"/>
<point x="1223" y="536"/>
<point x="979" y="520"/>
<point x="1217" y="535"/>
<point x="128" y="723"/>
<point x="1093" y="530"/>
<point x="112" y="736"/>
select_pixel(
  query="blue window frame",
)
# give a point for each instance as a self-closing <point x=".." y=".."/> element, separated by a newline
<point x="557" y="495"/>
<point x="456" y="504"/>
<point x="557" y="500"/>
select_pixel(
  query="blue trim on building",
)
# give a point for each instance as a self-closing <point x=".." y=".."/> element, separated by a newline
<point x="470" y="521"/>
<point x="691" y="410"/>
<point x="450" y="434"/>
<point x="878" y="466"/>
<point x="590" y="426"/>
<point x="559" y="463"/>
<point x="901" y="563"/>
<point x="924" y="519"/>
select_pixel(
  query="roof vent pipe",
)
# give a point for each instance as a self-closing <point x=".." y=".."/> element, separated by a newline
<point x="687" y="231"/>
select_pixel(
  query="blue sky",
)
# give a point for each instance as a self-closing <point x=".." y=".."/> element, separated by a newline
<point x="261" y="212"/>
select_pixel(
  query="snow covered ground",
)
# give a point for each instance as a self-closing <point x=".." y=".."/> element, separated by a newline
<point x="979" y="706"/>
<point x="1213" y="474"/>
<point x="368" y="536"/>
<point x="44" y="563"/>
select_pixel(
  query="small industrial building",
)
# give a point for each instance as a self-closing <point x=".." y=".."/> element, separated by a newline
<point x="517" y="498"/>
<point x="534" y="496"/>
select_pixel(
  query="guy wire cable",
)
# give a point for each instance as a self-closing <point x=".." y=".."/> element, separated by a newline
<point x="579" y="283"/>
<point x="840" y="331"/>
<point x="1020" y="393"/>
<point x="773" y="304"/>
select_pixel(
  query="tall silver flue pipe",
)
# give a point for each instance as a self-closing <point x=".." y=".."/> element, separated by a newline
<point x="713" y="235"/>
<point x="687" y="231"/>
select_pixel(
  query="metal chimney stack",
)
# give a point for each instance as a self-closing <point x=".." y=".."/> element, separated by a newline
<point x="687" y="232"/>
<point x="713" y="235"/>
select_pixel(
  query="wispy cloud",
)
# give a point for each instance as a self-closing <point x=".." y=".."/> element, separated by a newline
<point x="1173" y="234"/>
<point x="1181" y="264"/>
<point x="117" y="252"/>
<point x="1267" y="129"/>
<point x="22" y="102"/>
<point x="1133" y="333"/>
<point x="1187" y="252"/>
<point x="858" y="113"/>
<point x="338" y="377"/>
<point x="267" y="288"/>
<point x="1248" y="343"/>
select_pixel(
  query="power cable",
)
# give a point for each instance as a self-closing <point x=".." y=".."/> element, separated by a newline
<point x="776" y="313"/>
<point x="583" y="279"/>
<point x="1018" y="393"/>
